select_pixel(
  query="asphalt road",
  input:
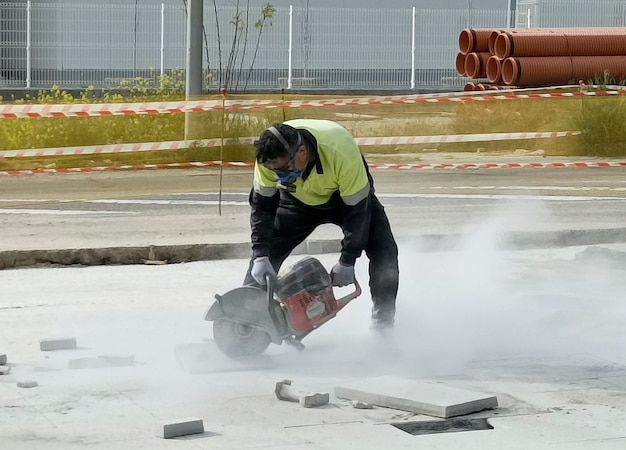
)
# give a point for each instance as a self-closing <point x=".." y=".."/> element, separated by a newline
<point x="204" y="206"/>
<point x="39" y="189"/>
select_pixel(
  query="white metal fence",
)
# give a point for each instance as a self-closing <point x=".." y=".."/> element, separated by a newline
<point x="75" y="46"/>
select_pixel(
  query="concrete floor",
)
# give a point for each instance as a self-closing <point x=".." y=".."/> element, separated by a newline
<point x="541" y="329"/>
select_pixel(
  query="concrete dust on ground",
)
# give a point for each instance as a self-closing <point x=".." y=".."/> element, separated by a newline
<point x="540" y="329"/>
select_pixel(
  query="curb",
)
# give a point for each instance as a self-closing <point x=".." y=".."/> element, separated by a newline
<point x="162" y="254"/>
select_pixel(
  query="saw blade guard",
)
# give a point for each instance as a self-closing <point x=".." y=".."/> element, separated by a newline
<point x="247" y="305"/>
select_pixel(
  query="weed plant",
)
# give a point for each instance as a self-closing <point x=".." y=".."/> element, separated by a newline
<point x="601" y="120"/>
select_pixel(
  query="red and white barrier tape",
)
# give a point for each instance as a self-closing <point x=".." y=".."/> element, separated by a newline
<point x="364" y="141"/>
<point x="121" y="148"/>
<point x="516" y="165"/>
<point x="456" y="138"/>
<point x="120" y="109"/>
<point x="410" y="166"/>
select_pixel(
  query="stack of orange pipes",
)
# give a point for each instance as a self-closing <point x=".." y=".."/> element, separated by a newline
<point x="541" y="57"/>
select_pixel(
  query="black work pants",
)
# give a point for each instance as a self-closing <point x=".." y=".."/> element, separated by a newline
<point x="295" y="221"/>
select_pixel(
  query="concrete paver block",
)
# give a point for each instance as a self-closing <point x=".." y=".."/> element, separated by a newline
<point x="118" y="360"/>
<point x="101" y="362"/>
<point x="420" y="397"/>
<point x="87" y="363"/>
<point x="57" y="344"/>
<point x="3" y="359"/>
<point x="4" y="370"/>
<point x="27" y="384"/>
<point x="180" y="427"/>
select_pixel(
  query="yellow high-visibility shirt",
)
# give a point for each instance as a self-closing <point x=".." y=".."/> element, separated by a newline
<point x="341" y="161"/>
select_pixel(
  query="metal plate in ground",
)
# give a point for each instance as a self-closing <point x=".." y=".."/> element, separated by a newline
<point x="443" y="426"/>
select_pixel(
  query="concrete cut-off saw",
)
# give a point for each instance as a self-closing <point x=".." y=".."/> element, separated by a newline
<point x="248" y="318"/>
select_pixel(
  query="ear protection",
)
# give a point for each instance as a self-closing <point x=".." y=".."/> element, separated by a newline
<point x="291" y="151"/>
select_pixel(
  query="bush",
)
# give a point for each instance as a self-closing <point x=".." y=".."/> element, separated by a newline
<point x="601" y="120"/>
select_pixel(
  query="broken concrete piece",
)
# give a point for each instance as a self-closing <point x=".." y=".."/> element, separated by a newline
<point x="3" y="359"/>
<point x="362" y="405"/>
<point x="420" y="397"/>
<point x="4" y="370"/>
<point x="180" y="427"/>
<point x="57" y="344"/>
<point x="312" y="400"/>
<point x="284" y="391"/>
<point x="154" y="262"/>
<point x="152" y="258"/>
<point x="27" y="384"/>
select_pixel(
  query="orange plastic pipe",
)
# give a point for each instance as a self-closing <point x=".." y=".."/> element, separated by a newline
<point x="493" y="69"/>
<point x="492" y="39"/>
<point x="566" y="42"/>
<point x="536" y="71"/>
<point x="474" y="40"/>
<point x="475" y="64"/>
<point x="460" y="64"/>
<point x="469" y="87"/>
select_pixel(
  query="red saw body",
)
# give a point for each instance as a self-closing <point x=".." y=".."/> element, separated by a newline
<point x="248" y="318"/>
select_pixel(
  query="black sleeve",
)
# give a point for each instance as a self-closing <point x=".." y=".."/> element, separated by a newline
<point x="356" y="228"/>
<point x="262" y="214"/>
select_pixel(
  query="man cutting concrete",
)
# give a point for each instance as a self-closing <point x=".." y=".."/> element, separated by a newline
<point x="311" y="172"/>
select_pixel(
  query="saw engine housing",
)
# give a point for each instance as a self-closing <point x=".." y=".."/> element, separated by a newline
<point x="306" y="292"/>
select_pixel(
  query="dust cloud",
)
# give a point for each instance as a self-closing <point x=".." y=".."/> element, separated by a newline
<point x="476" y="303"/>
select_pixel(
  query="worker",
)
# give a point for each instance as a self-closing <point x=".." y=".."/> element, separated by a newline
<point x="311" y="172"/>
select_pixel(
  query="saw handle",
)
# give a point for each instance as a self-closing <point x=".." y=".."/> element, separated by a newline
<point x="270" y="282"/>
<point x="351" y="296"/>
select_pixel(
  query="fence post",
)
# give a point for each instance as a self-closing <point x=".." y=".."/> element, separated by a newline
<point x="28" y="44"/>
<point x="193" y="75"/>
<point x="162" y="49"/>
<point x="413" y="49"/>
<point x="290" y="44"/>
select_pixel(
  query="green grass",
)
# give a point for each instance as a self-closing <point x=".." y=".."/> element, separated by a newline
<point x="599" y="118"/>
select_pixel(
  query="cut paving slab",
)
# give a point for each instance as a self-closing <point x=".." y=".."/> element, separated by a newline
<point x="181" y="427"/>
<point x="47" y="345"/>
<point x="420" y="397"/>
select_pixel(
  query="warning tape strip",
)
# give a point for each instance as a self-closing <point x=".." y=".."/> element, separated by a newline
<point x="409" y="166"/>
<point x="120" y="109"/>
<point x="121" y="148"/>
<point x="515" y="165"/>
<point x="455" y="138"/>
<point x="364" y="141"/>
